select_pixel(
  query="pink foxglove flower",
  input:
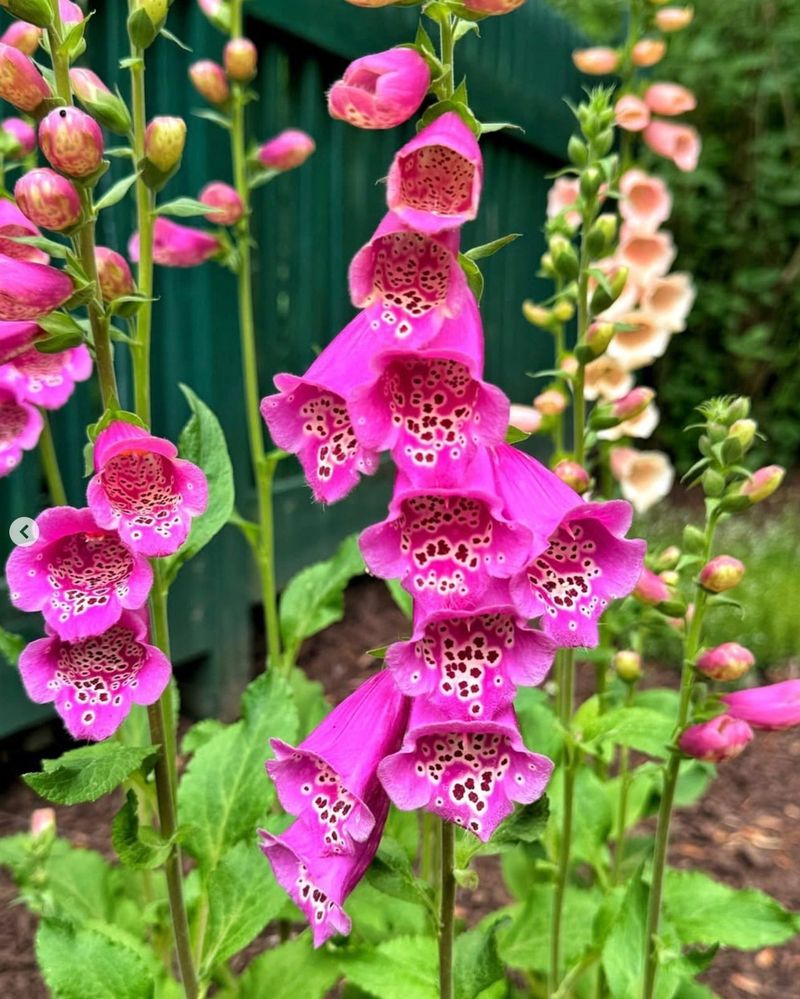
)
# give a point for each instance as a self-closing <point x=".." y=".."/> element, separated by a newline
<point x="641" y="425"/>
<point x="641" y="343"/>
<point x="467" y="772"/>
<point x="177" y="245"/>
<point x="16" y="338"/>
<point x="23" y="36"/>
<point x="78" y="575"/>
<point x="29" y="291"/>
<point x="669" y="99"/>
<point x="432" y="409"/>
<point x="775" y="706"/>
<point x="631" y="113"/>
<point x="679" y="143"/>
<point x="48" y="199"/>
<point x="330" y="780"/>
<point x="70" y="12"/>
<point x="20" y="427"/>
<point x="24" y="135"/>
<point x="563" y="194"/>
<point x="14" y="223"/>
<point x="21" y="83"/>
<point x="763" y="483"/>
<point x="72" y="141"/>
<point x="95" y="681"/>
<point x="467" y="664"/>
<point x="647" y="255"/>
<point x="445" y="546"/>
<point x="648" y="52"/>
<point x="287" y="150"/>
<point x="669" y="300"/>
<point x="381" y="90"/>
<point x="224" y="200"/>
<point x="48" y="380"/>
<point x="308" y="416"/>
<point x="143" y="490"/>
<point x="722" y="738"/>
<point x="580" y="560"/>
<point x="645" y="477"/>
<point x="435" y="180"/>
<point x="651" y="589"/>
<point x="645" y="200"/>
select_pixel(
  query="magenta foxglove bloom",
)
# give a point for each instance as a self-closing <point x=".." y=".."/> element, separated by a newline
<point x="95" y="681"/>
<point x="446" y="546"/>
<point x="14" y="223"/>
<point x="47" y="380"/>
<point x="772" y="707"/>
<point x="469" y="665"/>
<point x="308" y="416"/>
<point x="381" y="90"/>
<point x="715" y="741"/>
<point x="79" y="576"/>
<point x="15" y="338"/>
<point x="435" y="180"/>
<point x="177" y="245"/>
<point x="29" y="291"/>
<point x="20" y="427"/>
<point x="467" y="772"/>
<point x="330" y="780"/>
<point x="143" y="490"/>
<point x="581" y="560"/>
<point x="431" y="408"/>
<point x="409" y="282"/>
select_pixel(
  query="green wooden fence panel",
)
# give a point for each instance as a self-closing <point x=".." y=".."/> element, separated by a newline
<point x="308" y="225"/>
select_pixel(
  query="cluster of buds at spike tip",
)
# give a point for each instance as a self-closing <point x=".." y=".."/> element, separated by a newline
<point x="146" y="20"/>
<point x="627" y="665"/>
<point x="164" y="141"/>
<point x="38" y="12"/>
<point x="548" y="318"/>
<point x="21" y="83"/>
<point x="107" y="107"/>
<point x="72" y="141"/>
<point x="241" y="60"/>
<point x="721" y="573"/>
<point x="48" y="199"/>
<point x="17" y="138"/>
<point x="209" y="80"/>
<point x="727" y="662"/>
<point x="574" y="475"/>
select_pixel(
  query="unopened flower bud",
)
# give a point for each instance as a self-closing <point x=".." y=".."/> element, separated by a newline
<point x="601" y="236"/>
<point x="537" y="315"/>
<point x="577" y="151"/>
<point x="670" y="19"/>
<point x="69" y="12"/>
<point x="218" y="12"/>
<point x="715" y="741"/>
<point x="597" y="61"/>
<point x="573" y="474"/>
<point x="287" y="150"/>
<point x="651" y="589"/>
<point x="694" y="541"/>
<point x="164" y="139"/>
<point x="591" y="179"/>
<point x="21" y="83"/>
<point x="648" y="52"/>
<point x="563" y="310"/>
<point x="241" y="60"/>
<point x="146" y="20"/>
<point x="48" y="199"/>
<point x="21" y="138"/>
<point x="23" y="36"/>
<point x="668" y="559"/>
<point x="634" y="403"/>
<point x="113" y="274"/>
<point x="739" y="409"/>
<point x="744" y="431"/>
<point x="223" y="198"/>
<point x="209" y="80"/>
<point x="722" y="573"/>
<point x="38" y="12"/>
<point x="601" y="300"/>
<point x="72" y="141"/>
<point x="565" y="259"/>
<point x="108" y="108"/>
<point x="713" y="482"/>
<point x="42" y="820"/>
<point x="598" y="337"/>
<point x="551" y="402"/>
<point x="762" y="483"/>
<point x="628" y="665"/>
<point x="670" y="577"/>
<point x="546" y="264"/>
<point x="726" y="662"/>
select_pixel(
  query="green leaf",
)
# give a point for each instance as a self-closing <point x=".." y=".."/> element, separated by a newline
<point x="314" y="598"/>
<point x="498" y="126"/>
<point x="202" y="442"/>
<point x="489" y="249"/>
<point x="138" y="848"/>
<point x="213" y="116"/>
<point x="392" y="874"/>
<point x="474" y="275"/>
<point x="476" y="963"/>
<point x="11" y="646"/>
<point x="276" y="973"/>
<point x="623" y="949"/>
<point x="514" y="435"/>
<point x="175" y="40"/>
<point x="87" y="773"/>
<point x="200" y="733"/>
<point x="49" y="246"/>
<point x="243" y="896"/>
<point x="703" y="911"/>
<point x="404" y="968"/>
<point x="401" y="597"/>
<point x="86" y="963"/>
<point x="525" y="944"/>
<point x="59" y="324"/>
<point x="184" y="208"/>
<point x="638" y="728"/>
<point x="116" y="192"/>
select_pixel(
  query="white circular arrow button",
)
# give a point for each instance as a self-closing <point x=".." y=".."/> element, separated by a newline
<point x="24" y="532"/>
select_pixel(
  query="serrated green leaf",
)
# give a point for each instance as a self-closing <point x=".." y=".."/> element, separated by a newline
<point x="116" y="192"/>
<point x="140" y="849"/>
<point x="11" y="646"/>
<point x="489" y="249"/>
<point x="623" y="948"/>
<point x="525" y="943"/>
<point x="392" y="874"/>
<point x="184" y="208"/>
<point x="638" y="728"/>
<point x="476" y="963"/>
<point x="200" y="733"/>
<point x="276" y="973"/>
<point x="87" y="773"/>
<point x="404" y="968"/>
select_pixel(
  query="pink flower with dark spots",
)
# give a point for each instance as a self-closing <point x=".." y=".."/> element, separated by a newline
<point x="467" y="772"/>
<point x="95" y="681"/>
<point x="775" y="706"/>
<point x="330" y="780"/>
<point x="381" y="90"/>
<point x="143" y="490"/>
<point x="435" y="180"/>
<point x="48" y="380"/>
<point x="14" y="223"/>
<point x="78" y="575"/>
<point x="30" y="291"/>
<point x="722" y="738"/>
<point x="177" y="245"/>
<point x="20" y="427"/>
<point x="16" y="338"/>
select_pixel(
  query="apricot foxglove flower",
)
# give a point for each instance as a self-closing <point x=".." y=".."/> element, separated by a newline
<point x="679" y="143"/>
<point x="774" y="706"/>
<point x="20" y="427"/>
<point x="631" y="113"/>
<point x="645" y="477"/>
<point x="670" y="19"/>
<point x="21" y="83"/>
<point x="645" y="200"/>
<point x="29" y="291"/>
<point x="641" y="425"/>
<point x="607" y="379"/>
<point x="596" y="61"/>
<point x="669" y="99"/>
<point x="646" y="254"/>
<point x="48" y="380"/>
<point x="330" y="780"/>
<point x="668" y="300"/>
<point x="640" y="342"/>
<point x="467" y="772"/>
<point x="13" y="223"/>
<point x="722" y="738"/>
<point x="648" y="52"/>
<point x="78" y="575"/>
<point x="95" y="681"/>
<point x="381" y="90"/>
<point x="287" y="150"/>
<point x="177" y="245"/>
<point x="435" y="180"/>
<point x="468" y="664"/>
<point x="143" y="490"/>
<point x="561" y="196"/>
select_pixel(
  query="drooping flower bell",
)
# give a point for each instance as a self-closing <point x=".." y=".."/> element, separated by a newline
<point x="722" y="738"/>
<point x="29" y="291"/>
<point x="21" y="133"/>
<point x="645" y="477"/>
<point x="435" y="180"/>
<point x="651" y="589"/>
<point x="48" y="199"/>
<point x="287" y="150"/>
<point x="20" y="427"/>
<point x="95" y="681"/>
<point x="645" y="200"/>
<point x="561" y="196"/>
<point x="47" y="380"/>
<point x="631" y="113"/>
<point x="21" y="83"/>
<point x="16" y="338"/>
<point x="669" y="300"/>
<point x="646" y="254"/>
<point x="467" y="772"/>
<point x="78" y="575"/>
<point x="381" y="90"/>
<point x="669" y="99"/>
<point x="775" y="706"/>
<point x="226" y="205"/>
<point x="113" y="274"/>
<point x="177" y="245"/>
<point x="679" y="143"/>
<point x="640" y="342"/>
<point x="670" y="19"/>
<point x="72" y="141"/>
<point x="596" y="61"/>
<point x="648" y="52"/>
<point x="143" y="490"/>
<point x="14" y="223"/>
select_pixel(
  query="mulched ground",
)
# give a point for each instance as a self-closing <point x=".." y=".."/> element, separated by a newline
<point x="746" y="831"/>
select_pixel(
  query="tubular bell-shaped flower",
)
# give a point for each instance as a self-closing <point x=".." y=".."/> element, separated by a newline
<point x="645" y="200"/>
<point x="47" y="380"/>
<point x="467" y="772"/>
<point x="16" y="338"/>
<point x="330" y="780"/>
<point x="95" y="681"/>
<point x="775" y="706"/>
<point x="177" y="245"/>
<point x="20" y="427"/>
<point x="78" y="575"/>
<point x="14" y="223"/>
<point x="143" y="490"/>
<point x="29" y="291"/>
<point x="381" y="90"/>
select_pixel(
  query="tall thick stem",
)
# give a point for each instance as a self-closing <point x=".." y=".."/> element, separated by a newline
<point x="447" y="902"/>
<point x="52" y="473"/>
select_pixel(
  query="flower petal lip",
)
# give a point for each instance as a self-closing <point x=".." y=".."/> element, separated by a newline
<point x="21" y="425"/>
<point x="775" y="706"/>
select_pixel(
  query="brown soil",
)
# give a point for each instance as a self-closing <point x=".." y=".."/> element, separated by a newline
<point x="745" y="832"/>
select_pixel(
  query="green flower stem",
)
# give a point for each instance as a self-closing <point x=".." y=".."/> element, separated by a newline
<point x="447" y="902"/>
<point x="622" y="803"/>
<point x="55" y="35"/>
<point x="49" y="458"/>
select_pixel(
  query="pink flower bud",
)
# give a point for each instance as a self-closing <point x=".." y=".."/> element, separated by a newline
<point x="287" y="150"/>
<point x="381" y="90"/>
<point x="651" y="589"/>
<point x="29" y="291"/>
<point x="551" y="402"/>
<point x="634" y="403"/>
<point x="24" y="135"/>
<point x="48" y="199"/>
<point x="648" y="52"/>
<point x="722" y="573"/>
<point x="670" y="19"/>
<point x="574" y="475"/>
<point x="669" y="99"/>
<point x="72" y="141"/>
<point x="492" y="6"/>
<point x="729" y="661"/>
<point x="177" y="245"/>
<point x="218" y="12"/>
<point x="113" y="274"/>
<point x="209" y="80"/>
<point x="23" y="36"/>
<point x="628" y="665"/>
<point x="164" y="139"/>
<point x="21" y="83"/>
<point x="775" y="706"/>
<point x="525" y="418"/>
<point x="631" y="113"/>
<point x="225" y="199"/>
<point x="42" y="820"/>
<point x="108" y="108"/>
<point x="241" y="59"/>
<point x="70" y="12"/>
<point x="597" y="61"/>
<point x="372" y="3"/>
<point x="679" y="143"/>
<point x="763" y="483"/>
<point x="717" y="740"/>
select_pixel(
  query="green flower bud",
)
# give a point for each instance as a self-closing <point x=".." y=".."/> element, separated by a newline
<point x="38" y="12"/>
